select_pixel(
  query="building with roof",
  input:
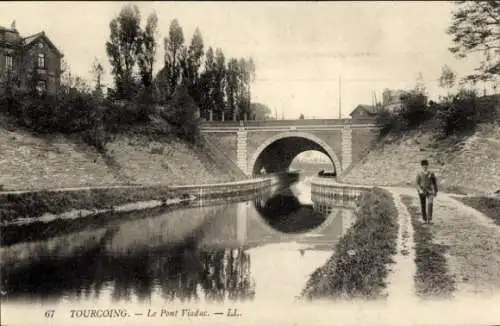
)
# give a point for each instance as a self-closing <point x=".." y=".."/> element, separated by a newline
<point x="392" y="100"/>
<point x="31" y="60"/>
<point x="363" y="111"/>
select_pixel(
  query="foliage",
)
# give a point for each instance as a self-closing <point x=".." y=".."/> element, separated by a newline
<point x="146" y="56"/>
<point x="181" y="112"/>
<point x="301" y="117"/>
<point x="260" y="111"/>
<point x="386" y="122"/>
<point x="447" y="78"/>
<point x="174" y="52"/>
<point x="358" y="267"/>
<point x="97" y="72"/>
<point x="218" y="86"/>
<point x="475" y="29"/>
<point x="462" y="112"/>
<point x="191" y="63"/>
<point x="123" y="49"/>
<point x="413" y="112"/>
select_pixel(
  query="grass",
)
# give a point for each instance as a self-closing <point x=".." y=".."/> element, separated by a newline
<point x="358" y="268"/>
<point x="432" y="279"/>
<point x="37" y="203"/>
<point x="32" y="204"/>
<point x="489" y="206"/>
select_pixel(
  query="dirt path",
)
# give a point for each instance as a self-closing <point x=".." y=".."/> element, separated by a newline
<point x="401" y="284"/>
<point x="473" y="241"/>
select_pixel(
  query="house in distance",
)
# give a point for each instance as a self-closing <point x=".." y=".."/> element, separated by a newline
<point x="33" y="59"/>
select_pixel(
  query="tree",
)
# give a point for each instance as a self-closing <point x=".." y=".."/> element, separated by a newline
<point x="220" y="81"/>
<point x="246" y="75"/>
<point x="192" y="61"/>
<point x="174" y="48"/>
<point x="232" y="87"/>
<point x="447" y="78"/>
<point x="475" y="29"/>
<point x="420" y="85"/>
<point x="207" y="85"/>
<point x="146" y="57"/>
<point x="261" y="111"/>
<point x="301" y="116"/>
<point x="97" y="72"/>
<point x="123" y="49"/>
<point x="182" y="113"/>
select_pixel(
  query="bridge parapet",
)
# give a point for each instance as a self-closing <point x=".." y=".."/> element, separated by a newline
<point x="288" y="123"/>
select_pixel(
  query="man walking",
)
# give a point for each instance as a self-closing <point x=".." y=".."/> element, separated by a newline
<point x="427" y="190"/>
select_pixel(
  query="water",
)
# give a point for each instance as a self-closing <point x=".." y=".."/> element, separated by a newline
<point x="259" y="249"/>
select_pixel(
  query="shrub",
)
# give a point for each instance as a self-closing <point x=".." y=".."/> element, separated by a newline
<point x="386" y="122"/>
<point x="181" y="113"/>
<point x="414" y="111"/>
<point x="64" y="113"/>
<point x="458" y="113"/>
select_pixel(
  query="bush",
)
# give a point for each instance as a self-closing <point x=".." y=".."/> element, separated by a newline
<point x="65" y="113"/>
<point x="414" y="111"/>
<point x="458" y="113"/>
<point x="386" y="122"/>
<point x="181" y="113"/>
<point x="117" y="114"/>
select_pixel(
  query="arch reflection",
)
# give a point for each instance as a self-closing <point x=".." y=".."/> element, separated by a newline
<point x="285" y="213"/>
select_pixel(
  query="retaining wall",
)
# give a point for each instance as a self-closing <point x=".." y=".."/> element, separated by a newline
<point x="325" y="191"/>
<point x="34" y="203"/>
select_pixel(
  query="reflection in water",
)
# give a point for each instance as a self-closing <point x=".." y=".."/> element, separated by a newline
<point x="213" y="253"/>
<point x="178" y="273"/>
<point x="291" y="210"/>
<point x="286" y="214"/>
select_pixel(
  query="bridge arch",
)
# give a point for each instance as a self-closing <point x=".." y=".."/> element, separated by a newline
<point x="304" y="141"/>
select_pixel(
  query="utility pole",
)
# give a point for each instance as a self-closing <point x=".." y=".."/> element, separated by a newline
<point x="340" y="97"/>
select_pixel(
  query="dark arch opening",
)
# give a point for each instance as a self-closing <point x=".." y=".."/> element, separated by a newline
<point x="279" y="154"/>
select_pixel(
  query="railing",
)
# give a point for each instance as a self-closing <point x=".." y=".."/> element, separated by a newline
<point x="327" y="191"/>
<point x="304" y="122"/>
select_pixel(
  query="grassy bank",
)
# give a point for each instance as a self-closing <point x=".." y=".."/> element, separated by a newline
<point x="432" y="279"/>
<point x="33" y="204"/>
<point x="489" y="206"/>
<point x="358" y="268"/>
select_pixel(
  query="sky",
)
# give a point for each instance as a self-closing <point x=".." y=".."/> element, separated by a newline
<point x="300" y="49"/>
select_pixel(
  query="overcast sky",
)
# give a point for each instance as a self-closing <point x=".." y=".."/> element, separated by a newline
<point x="300" y="49"/>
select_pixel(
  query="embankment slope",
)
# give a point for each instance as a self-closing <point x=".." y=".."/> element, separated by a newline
<point x="469" y="166"/>
<point x="29" y="161"/>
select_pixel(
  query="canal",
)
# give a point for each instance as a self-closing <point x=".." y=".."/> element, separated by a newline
<point x="259" y="248"/>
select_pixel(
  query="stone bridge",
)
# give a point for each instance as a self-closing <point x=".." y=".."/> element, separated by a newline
<point x="273" y="144"/>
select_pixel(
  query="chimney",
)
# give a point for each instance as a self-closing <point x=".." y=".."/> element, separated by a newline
<point x="13" y="26"/>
